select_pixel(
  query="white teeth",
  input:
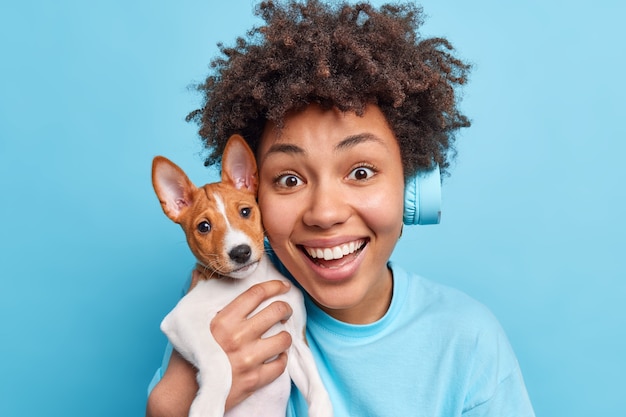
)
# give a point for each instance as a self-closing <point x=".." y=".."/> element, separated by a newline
<point x="336" y="252"/>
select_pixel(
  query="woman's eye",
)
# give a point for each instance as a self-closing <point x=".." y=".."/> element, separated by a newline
<point x="288" y="181"/>
<point x="361" y="173"/>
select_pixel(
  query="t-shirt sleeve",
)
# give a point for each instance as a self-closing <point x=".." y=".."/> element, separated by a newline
<point x="510" y="399"/>
<point x="497" y="387"/>
<point x="158" y="374"/>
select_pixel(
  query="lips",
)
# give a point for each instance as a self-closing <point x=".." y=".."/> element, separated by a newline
<point x="335" y="252"/>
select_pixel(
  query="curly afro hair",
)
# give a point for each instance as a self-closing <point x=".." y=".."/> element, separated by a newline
<point x="344" y="56"/>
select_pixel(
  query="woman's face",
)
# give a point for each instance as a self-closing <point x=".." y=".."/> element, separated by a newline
<point x="331" y="195"/>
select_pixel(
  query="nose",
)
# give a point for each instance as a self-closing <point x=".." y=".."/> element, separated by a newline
<point x="327" y="206"/>
<point x="240" y="254"/>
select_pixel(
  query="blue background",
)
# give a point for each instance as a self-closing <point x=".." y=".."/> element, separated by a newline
<point x="533" y="223"/>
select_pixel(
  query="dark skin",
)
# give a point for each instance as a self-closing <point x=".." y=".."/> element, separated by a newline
<point x="247" y="352"/>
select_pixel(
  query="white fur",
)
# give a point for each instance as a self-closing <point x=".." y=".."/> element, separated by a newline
<point x="187" y="327"/>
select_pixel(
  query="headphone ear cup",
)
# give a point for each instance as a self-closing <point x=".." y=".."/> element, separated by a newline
<point x="422" y="198"/>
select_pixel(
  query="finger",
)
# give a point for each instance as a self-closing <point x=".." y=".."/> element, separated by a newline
<point x="271" y="370"/>
<point x="232" y="338"/>
<point x="231" y="327"/>
<point x="265" y="374"/>
<point x="253" y="381"/>
<point x="275" y="345"/>
<point x="250" y="299"/>
<point x="276" y="312"/>
<point x="263" y="351"/>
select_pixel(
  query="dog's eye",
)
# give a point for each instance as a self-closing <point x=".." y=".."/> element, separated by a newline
<point x="204" y="227"/>
<point x="245" y="212"/>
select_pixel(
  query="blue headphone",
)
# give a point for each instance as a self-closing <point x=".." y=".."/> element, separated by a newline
<point x="422" y="198"/>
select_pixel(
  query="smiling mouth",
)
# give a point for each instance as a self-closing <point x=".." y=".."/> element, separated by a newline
<point x="335" y="253"/>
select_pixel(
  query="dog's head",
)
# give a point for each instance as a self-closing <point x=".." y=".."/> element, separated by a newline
<point x="221" y="220"/>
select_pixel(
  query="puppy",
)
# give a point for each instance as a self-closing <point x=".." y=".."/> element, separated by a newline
<point x="223" y="227"/>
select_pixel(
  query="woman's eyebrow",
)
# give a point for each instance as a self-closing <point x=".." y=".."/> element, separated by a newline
<point x="285" y="148"/>
<point x="359" y="138"/>
<point x="346" y="143"/>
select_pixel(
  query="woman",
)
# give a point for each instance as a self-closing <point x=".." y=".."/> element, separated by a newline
<point x="342" y="104"/>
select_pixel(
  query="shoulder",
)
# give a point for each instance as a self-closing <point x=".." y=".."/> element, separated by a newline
<point x="453" y="316"/>
<point x="432" y="298"/>
<point x="465" y="327"/>
<point x="468" y="331"/>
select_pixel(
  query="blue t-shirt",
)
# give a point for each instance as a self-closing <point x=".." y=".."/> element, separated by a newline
<point x="435" y="353"/>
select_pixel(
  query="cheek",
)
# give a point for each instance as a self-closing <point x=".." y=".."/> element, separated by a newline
<point x="383" y="211"/>
<point x="275" y="216"/>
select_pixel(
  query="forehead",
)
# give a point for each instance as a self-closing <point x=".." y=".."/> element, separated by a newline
<point x="315" y="128"/>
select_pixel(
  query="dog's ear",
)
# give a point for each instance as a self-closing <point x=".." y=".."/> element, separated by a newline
<point x="172" y="186"/>
<point x="239" y="165"/>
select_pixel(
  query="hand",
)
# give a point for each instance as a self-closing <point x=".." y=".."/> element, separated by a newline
<point x="240" y="337"/>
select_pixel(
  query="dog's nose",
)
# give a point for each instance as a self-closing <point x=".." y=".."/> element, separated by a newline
<point x="240" y="254"/>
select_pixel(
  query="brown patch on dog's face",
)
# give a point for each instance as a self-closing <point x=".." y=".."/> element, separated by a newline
<point x="217" y="208"/>
<point x="221" y="220"/>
